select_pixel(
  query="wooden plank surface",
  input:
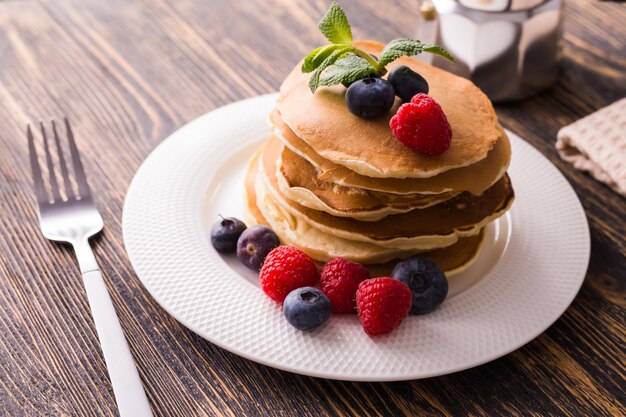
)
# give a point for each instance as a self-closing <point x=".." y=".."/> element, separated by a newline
<point x="128" y="73"/>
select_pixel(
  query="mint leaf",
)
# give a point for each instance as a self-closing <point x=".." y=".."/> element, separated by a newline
<point x="330" y="60"/>
<point x="317" y="56"/>
<point x="346" y="70"/>
<point x="408" y="47"/>
<point x="438" y="50"/>
<point x="334" y="25"/>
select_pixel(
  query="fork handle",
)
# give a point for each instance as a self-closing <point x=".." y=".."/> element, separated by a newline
<point x="127" y="387"/>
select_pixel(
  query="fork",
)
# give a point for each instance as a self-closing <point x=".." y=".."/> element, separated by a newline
<point x="74" y="219"/>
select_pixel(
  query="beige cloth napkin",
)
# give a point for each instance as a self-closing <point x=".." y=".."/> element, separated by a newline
<point x="597" y="144"/>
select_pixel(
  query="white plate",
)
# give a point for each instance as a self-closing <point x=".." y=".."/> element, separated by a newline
<point x="529" y="272"/>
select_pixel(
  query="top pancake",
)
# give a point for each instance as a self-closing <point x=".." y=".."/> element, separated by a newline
<point x="474" y="178"/>
<point x="369" y="147"/>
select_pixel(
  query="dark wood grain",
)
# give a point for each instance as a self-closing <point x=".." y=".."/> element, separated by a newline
<point x="128" y="73"/>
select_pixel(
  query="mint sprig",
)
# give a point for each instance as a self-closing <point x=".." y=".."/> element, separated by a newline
<point x="343" y="63"/>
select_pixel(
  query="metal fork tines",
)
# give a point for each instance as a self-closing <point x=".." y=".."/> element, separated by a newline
<point x="72" y="219"/>
<point x="68" y="214"/>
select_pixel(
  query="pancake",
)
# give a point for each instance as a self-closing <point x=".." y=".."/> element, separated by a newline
<point x="297" y="180"/>
<point x="424" y="229"/>
<point x="322" y="247"/>
<point x="253" y="214"/>
<point x="453" y="259"/>
<point x="369" y="147"/>
<point x="475" y="178"/>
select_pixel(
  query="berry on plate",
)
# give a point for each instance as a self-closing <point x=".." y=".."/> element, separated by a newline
<point x="224" y="234"/>
<point x="421" y="125"/>
<point x="382" y="304"/>
<point x="426" y="280"/>
<point x="407" y="83"/>
<point x="370" y="98"/>
<point x="285" y="269"/>
<point x="339" y="280"/>
<point x="254" y="244"/>
<point x="307" y="308"/>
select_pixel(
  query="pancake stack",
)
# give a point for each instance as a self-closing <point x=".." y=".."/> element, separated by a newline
<point x="334" y="184"/>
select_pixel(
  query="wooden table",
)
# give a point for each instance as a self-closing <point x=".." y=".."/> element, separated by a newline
<point x="130" y="72"/>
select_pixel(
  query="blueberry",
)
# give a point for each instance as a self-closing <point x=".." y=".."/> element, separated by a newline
<point x="370" y="98"/>
<point x="254" y="244"/>
<point x="307" y="308"/>
<point x="224" y="234"/>
<point x="407" y="83"/>
<point x="426" y="281"/>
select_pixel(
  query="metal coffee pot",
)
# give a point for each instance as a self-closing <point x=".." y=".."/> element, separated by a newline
<point x="509" y="48"/>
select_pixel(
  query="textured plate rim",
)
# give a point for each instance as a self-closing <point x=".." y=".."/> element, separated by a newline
<point x="265" y="102"/>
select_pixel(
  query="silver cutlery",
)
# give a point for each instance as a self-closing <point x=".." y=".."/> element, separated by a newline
<point x="74" y="218"/>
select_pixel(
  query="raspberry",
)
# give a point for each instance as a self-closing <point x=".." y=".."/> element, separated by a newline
<point x="339" y="281"/>
<point x="422" y="125"/>
<point x="285" y="269"/>
<point x="382" y="304"/>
